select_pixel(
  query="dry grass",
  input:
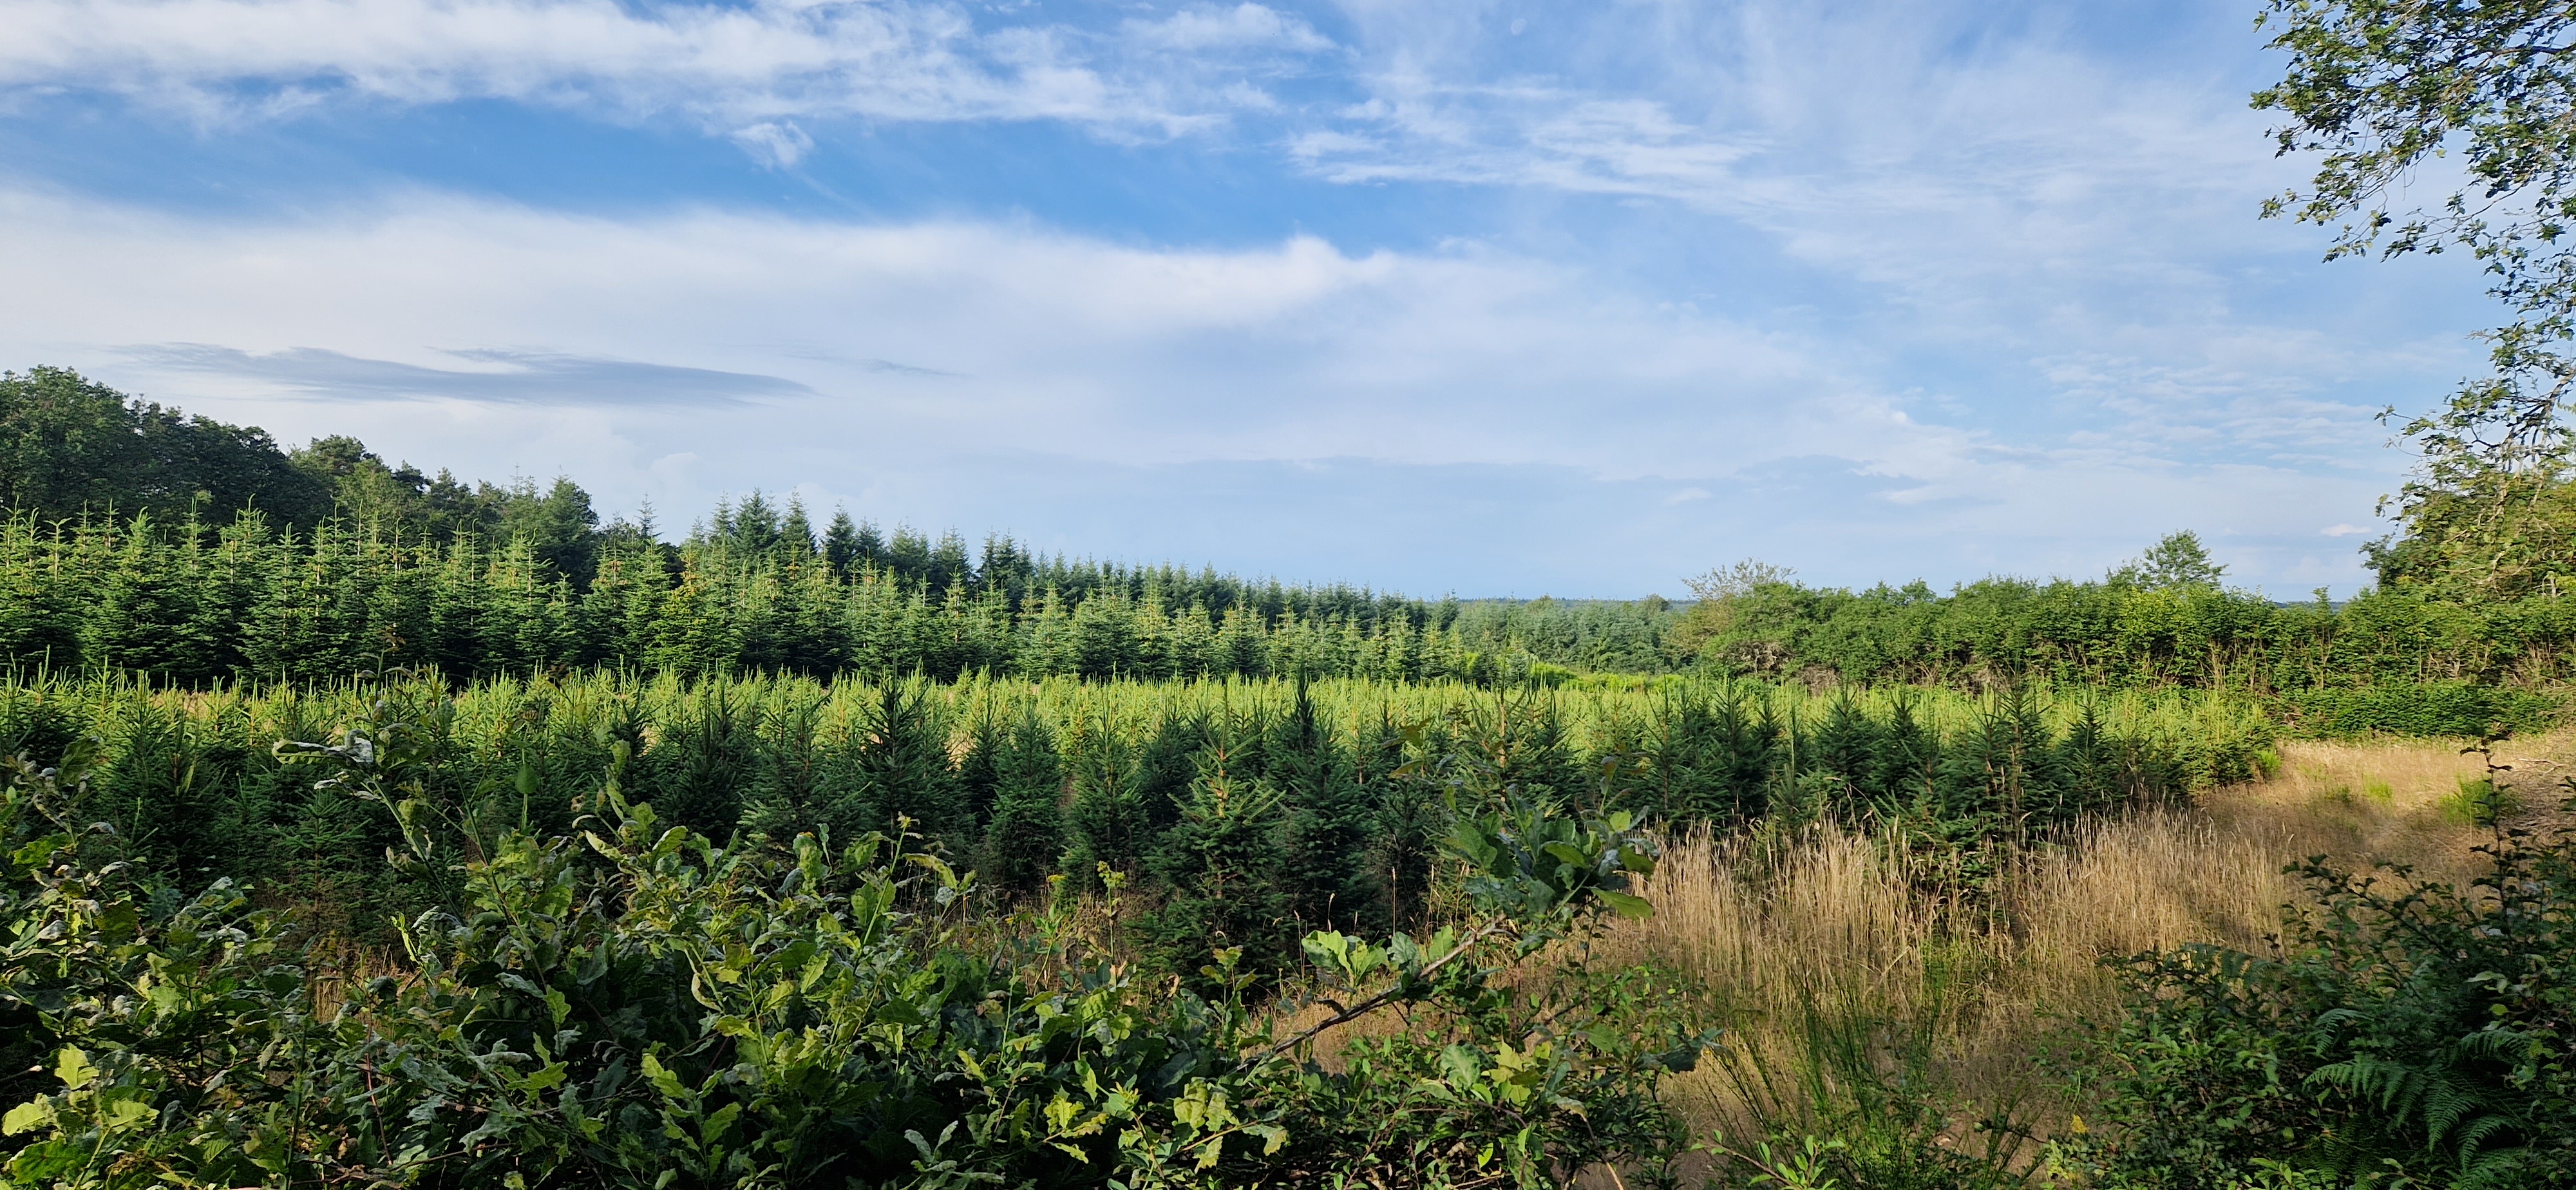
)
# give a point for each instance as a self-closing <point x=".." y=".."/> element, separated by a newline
<point x="1840" y="973"/>
<point x="1828" y="927"/>
<point x="1835" y="966"/>
<point x="2384" y="801"/>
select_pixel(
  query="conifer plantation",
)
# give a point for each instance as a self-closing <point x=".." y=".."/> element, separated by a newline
<point x="368" y="827"/>
<point x="384" y="823"/>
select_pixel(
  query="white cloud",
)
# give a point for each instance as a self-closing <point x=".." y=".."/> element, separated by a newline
<point x="774" y="144"/>
<point x="2342" y="530"/>
<point x="1523" y="133"/>
<point x="1245" y="25"/>
<point x="971" y="373"/>
<point x="731" y="64"/>
<point x="1984" y="172"/>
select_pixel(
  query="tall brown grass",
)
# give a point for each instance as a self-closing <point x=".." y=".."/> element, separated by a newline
<point x="1861" y="992"/>
<point x="1846" y="977"/>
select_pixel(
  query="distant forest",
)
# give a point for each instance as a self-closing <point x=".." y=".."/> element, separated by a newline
<point x="142" y="538"/>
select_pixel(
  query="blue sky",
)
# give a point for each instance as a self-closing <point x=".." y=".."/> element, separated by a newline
<point x="1499" y="299"/>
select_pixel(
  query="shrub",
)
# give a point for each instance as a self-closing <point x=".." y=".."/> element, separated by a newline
<point x="2441" y="708"/>
<point x="2404" y="1034"/>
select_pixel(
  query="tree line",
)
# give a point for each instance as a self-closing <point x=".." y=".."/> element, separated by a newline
<point x="80" y="451"/>
<point x="199" y="552"/>
<point x="194" y="602"/>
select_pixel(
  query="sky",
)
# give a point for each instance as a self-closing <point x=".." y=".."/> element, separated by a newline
<point x="1493" y="299"/>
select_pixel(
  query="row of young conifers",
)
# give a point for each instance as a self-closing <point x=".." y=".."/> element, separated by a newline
<point x="1245" y="811"/>
<point x="194" y="602"/>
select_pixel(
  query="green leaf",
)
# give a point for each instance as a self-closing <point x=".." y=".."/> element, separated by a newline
<point x="720" y="1122"/>
<point x="1627" y="906"/>
<point x="34" y="854"/>
<point x="72" y="1066"/>
<point x="662" y="1079"/>
<point x="1462" y="1067"/>
<point x="27" y="1117"/>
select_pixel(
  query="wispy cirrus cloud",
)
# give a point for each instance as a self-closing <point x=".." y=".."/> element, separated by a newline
<point x="1246" y="26"/>
<point x="1529" y="134"/>
<point x="777" y="144"/>
<point x="1931" y="155"/>
<point x="2071" y="207"/>
<point x="730" y="64"/>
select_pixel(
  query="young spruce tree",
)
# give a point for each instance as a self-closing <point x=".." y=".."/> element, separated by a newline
<point x="902" y="764"/>
<point x="1026" y="833"/>
<point x="1222" y="867"/>
<point x="1328" y="873"/>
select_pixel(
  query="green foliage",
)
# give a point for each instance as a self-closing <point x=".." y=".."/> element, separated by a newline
<point x="2476" y="534"/>
<point x="70" y="445"/>
<point x="2179" y="560"/>
<point x="2312" y="657"/>
<point x="1327" y="834"/>
<point x="1221" y="865"/>
<point x="2479" y="802"/>
<point x="902" y="763"/>
<point x="558" y="526"/>
<point x="1027" y="829"/>
<point x="2406" y="1034"/>
<point x="2379" y="86"/>
<point x="199" y="602"/>
<point x="2435" y="708"/>
<point x="528" y="586"/>
<point x="1241" y="810"/>
<point x="633" y="1004"/>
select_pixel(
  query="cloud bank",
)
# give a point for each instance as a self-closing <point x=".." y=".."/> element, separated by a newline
<point x="1476" y="296"/>
<point x="693" y="354"/>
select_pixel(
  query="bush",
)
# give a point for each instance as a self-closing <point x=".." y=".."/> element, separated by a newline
<point x="2448" y="708"/>
<point x="2404" y="1034"/>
